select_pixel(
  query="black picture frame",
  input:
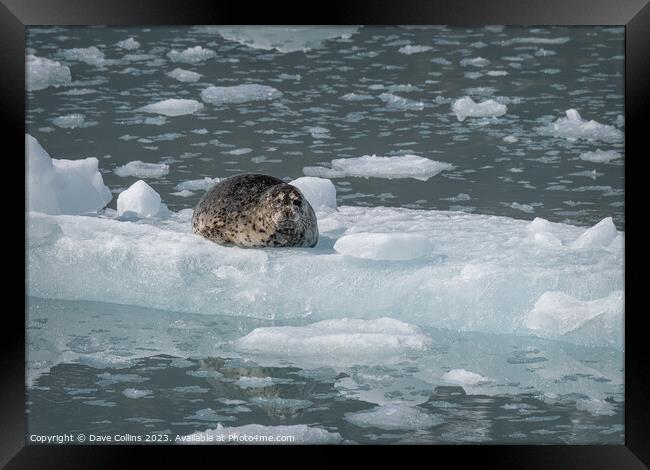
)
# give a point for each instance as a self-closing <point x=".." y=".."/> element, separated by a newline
<point x="15" y="15"/>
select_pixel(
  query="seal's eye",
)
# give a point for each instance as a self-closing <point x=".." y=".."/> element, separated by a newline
<point x="297" y="202"/>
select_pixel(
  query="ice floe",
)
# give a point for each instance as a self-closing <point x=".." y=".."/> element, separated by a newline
<point x="197" y="185"/>
<point x="372" y="166"/>
<point x="384" y="246"/>
<point x="128" y="44"/>
<point x="281" y="38"/>
<point x="475" y="62"/>
<point x="89" y="55"/>
<point x="466" y="107"/>
<point x="191" y="55"/>
<point x="136" y="393"/>
<point x="72" y="121"/>
<point x="218" y="95"/>
<point x="140" y="169"/>
<point x="464" y="377"/>
<point x="573" y="127"/>
<point x="600" y="156"/>
<point x="410" y="49"/>
<point x="257" y="434"/>
<point x="393" y="417"/>
<point x="183" y="75"/>
<point x="398" y="102"/>
<point x="42" y="73"/>
<point x="173" y="107"/>
<point x="62" y="186"/>
<point x="140" y="200"/>
<point x="320" y="192"/>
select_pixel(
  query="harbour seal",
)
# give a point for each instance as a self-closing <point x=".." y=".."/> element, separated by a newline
<point x="255" y="210"/>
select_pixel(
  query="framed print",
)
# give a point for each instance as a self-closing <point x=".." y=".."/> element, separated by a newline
<point x="402" y="225"/>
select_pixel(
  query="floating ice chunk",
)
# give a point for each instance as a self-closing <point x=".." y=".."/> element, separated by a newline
<point x="336" y="341"/>
<point x="173" y="107"/>
<point x="533" y="40"/>
<point x="184" y="75"/>
<point x="557" y="313"/>
<point x="475" y="62"/>
<point x="63" y="186"/>
<point x="258" y="434"/>
<point x="255" y="382"/>
<point x="90" y="55"/>
<point x="596" y="406"/>
<point x="384" y="246"/>
<point x="140" y="200"/>
<point x="466" y="107"/>
<point x="197" y="185"/>
<point x="219" y="95"/>
<point x="241" y="151"/>
<point x="42" y="73"/>
<point x="128" y="44"/>
<point x="281" y="38"/>
<point x="398" y="102"/>
<point x="573" y="127"/>
<point x="356" y="97"/>
<point x="183" y="193"/>
<point x="600" y="235"/>
<point x="72" y="121"/>
<point x="136" y="393"/>
<point x="523" y="207"/>
<point x="404" y="166"/>
<point x="142" y="170"/>
<point x="511" y="139"/>
<point x="600" y="156"/>
<point x="320" y="192"/>
<point x="191" y="55"/>
<point x="464" y="377"/>
<point x="394" y="418"/>
<point x="409" y="49"/>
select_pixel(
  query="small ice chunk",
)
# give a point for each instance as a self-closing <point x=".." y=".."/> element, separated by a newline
<point x="191" y="55"/>
<point x="534" y="40"/>
<point x="475" y="62"/>
<point x="183" y="193"/>
<point x="197" y="185"/>
<point x="573" y="127"/>
<point x="523" y="207"/>
<point x="595" y="406"/>
<point x="372" y="166"/>
<point x="409" y="49"/>
<point x="384" y="246"/>
<point x="89" y="55"/>
<point x="398" y="102"/>
<point x="600" y="156"/>
<point x="241" y="151"/>
<point x="356" y="97"/>
<point x="128" y="44"/>
<point x="183" y="75"/>
<point x="600" y="235"/>
<point x="42" y="73"/>
<point x="140" y="169"/>
<point x="218" y="95"/>
<point x="466" y="107"/>
<point x="140" y="200"/>
<point x="63" y="186"/>
<point x="320" y="192"/>
<point x="136" y="393"/>
<point x="464" y="377"/>
<point x="557" y="313"/>
<point x="173" y="107"/>
<point x="72" y="121"/>
<point x="394" y="417"/>
<point x="257" y="434"/>
<point x="340" y="339"/>
<point x="511" y="139"/>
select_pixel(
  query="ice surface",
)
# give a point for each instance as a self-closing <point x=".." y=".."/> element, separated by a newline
<point x="173" y="107"/>
<point x="409" y="49"/>
<point x="600" y="156"/>
<point x="340" y="341"/>
<point x="282" y="39"/>
<point x="128" y="44"/>
<point x="89" y="55"/>
<point x="140" y="200"/>
<point x="394" y="418"/>
<point x="475" y="259"/>
<point x="62" y="186"/>
<point x="197" y="185"/>
<point x="191" y="55"/>
<point x="183" y="75"/>
<point x="219" y="95"/>
<point x="466" y="107"/>
<point x="600" y="235"/>
<point x="140" y="169"/>
<point x="384" y="246"/>
<point x="556" y="314"/>
<point x="42" y="73"/>
<point x="299" y="433"/>
<point x="72" y="121"/>
<point x="573" y="127"/>
<point x="464" y="377"/>
<point x="320" y="192"/>
<point x="404" y="166"/>
<point x="398" y="102"/>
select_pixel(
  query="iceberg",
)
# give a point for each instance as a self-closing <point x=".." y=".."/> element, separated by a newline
<point x="600" y="156"/>
<point x="142" y="170"/>
<point x="281" y="38"/>
<point x="393" y="417"/>
<point x="62" y="186"/>
<point x="191" y="55"/>
<point x="140" y="200"/>
<point x="384" y="246"/>
<point x="218" y="95"/>
<point x="257" y="434"/>
<point x="42" y="73"/>
<point x="320" y="192"/>
<point x="183" y="75"/>
<point x="398" y="102"/>
<point x="466" y="107"/>
<point x="173" y="107"/>
<point x="573" y="127"/>
<point x="404" y="166"/>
